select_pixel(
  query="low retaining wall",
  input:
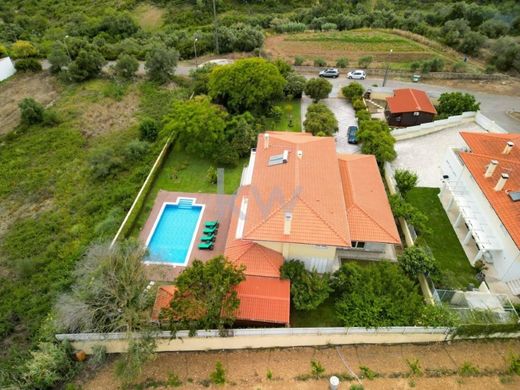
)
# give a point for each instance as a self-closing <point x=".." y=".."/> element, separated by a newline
<point x="264" y="338"/>
<point x="456" y="120"/>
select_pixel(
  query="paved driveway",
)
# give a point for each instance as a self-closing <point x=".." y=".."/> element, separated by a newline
<point x="342" y="110"/>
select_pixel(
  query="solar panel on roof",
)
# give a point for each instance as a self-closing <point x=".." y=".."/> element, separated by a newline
<point x="515" y="196"/>
<point x="275" y="160"/>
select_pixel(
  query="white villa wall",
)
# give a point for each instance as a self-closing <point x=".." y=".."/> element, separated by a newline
<point x="7" y="68"/>
<point x="506" y="262"/>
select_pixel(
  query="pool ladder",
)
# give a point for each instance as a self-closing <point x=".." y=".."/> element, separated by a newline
<point x="185" y="203"/>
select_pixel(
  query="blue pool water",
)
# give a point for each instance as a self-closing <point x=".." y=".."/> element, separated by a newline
<point x="171" y="240"/>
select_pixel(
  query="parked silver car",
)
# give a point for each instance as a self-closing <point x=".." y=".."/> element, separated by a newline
<point x="330" y="72"/>
<point x="357" y="75"/>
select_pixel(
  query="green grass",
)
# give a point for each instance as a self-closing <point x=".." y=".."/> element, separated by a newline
<point x="290" y="109"/>
<point x="456" y="271"/>
<point x="324" y="315"/>
<point x="185" y="173"/>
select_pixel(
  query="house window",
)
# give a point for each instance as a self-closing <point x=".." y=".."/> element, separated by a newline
<point x="321" y="246"/>
<point x="358" y="244"/>
<point x="416" y="113"/>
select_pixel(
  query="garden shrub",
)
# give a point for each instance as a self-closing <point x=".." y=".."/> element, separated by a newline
<point x="87" y="65"/>
<point x="329" y="27"/>
<point x="415" y="261"/>
<point x="135" y="150"/>
<point x="211" y="175"/>
<point x="405" y="181"/>
<point x="353" y="91"/>
<point x="376" y="139"/>
<point x="31" y="111"/>
<point x="218" y="377"/>
<point x="295" y="85"/>
<point x="308" y="288"/>
<point x="48" y="365"/>
<point x="126" y="66"/>
<point x="23" y="49"/>
<point x="358" y="104"/>
<point x="148" y="130"/>
<point x="438" y="315"/>
<point x="318" y="88"/>
<point x="320" y="120"/>
<point x="28" y="64"/>
<point x="342" y="62"/>
<point x="455" y="103"/>
<point x="376" y="295"/>
<point x="365" y="62"/>
<point x="403" y="209"/>
<point x="105" y="162"/>
<point x="298" y="60"/>
<point x="160" y="63"/>
<point x="320" y="62"/>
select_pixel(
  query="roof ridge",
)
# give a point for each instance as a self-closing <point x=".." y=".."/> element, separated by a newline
<point x="490" y="156"/>
<point x="323" y="220"/>
<point x="269" y="216"/>
<point x="412" y="91"/>
<point x="373" y="220"/>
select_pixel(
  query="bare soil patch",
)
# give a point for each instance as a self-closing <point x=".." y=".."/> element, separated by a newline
<point x="247" y="369"/>
<point x="149" y="17"/>
<point x="110" y="115"/>
<point x="41" y="86"/>
<point x="510" y="87"/>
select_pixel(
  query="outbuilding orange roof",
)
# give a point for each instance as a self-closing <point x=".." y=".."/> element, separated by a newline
<point x="264" y="300"/>
<point x="484" y="148"/>
<point x="162" y="300"/>
<point x="307" y="186"/>
<point x="369" y="215"/>
<point x="410" y="100"/>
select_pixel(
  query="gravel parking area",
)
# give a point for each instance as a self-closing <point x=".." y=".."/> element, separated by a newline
<point x="424" y="155"/>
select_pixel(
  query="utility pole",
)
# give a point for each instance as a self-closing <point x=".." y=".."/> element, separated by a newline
<point x="387" y="66"/>
<point x="195" y="50"/>
<point x="217" y="51"/>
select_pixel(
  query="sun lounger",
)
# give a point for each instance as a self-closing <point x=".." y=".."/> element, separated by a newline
<point x="208" y="238"/>
<point x="210" y="231"/>
<point x="211" y="224"/>
<point x="206" y="245"/>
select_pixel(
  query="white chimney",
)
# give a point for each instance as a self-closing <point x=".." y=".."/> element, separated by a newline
<point x="501" y="182"/>
<point x="508" y="147"/>
<point x="285" y="156"/>
<point x="287" y="224"/>
<point x="300" y="154"/>
<point x="266" y="141"/>
<point x="491" y="168"/>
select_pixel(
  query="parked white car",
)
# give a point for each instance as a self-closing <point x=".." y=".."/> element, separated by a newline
<point x="357" y="75"/>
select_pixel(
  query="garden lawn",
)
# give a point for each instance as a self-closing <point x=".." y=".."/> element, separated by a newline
<point x="185" y="173"/>
<point x="289" y="108"/>
<point x="324" y="315"/>
<point x="456" y="271"/>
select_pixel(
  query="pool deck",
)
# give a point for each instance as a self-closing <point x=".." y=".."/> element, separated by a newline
<point x="217" y="207"/>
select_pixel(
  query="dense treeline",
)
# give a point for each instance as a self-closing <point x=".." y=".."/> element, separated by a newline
<point x="467" y="26"/>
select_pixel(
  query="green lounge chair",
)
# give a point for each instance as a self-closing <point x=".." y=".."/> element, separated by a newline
<point x="206" y="245"/>
<point x="211" y="224"/>
<point x="210" y="231"/>
<point x="208" y="238"/>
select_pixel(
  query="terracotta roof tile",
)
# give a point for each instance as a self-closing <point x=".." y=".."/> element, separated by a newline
<point x="264" y="300"/>
<point x="410" y="100"/>
<point x="162" y="300"/>
<point x="486" y="147"/>
<point x="307" y="187"/>
<point x="368" y="210"/>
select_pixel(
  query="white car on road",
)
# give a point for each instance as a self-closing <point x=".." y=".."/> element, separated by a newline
<point x="357" y="75"/>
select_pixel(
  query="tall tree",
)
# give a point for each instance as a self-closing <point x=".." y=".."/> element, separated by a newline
<point x="161" y="62"/>
<point x="247" y="85"/>
<point x="206" y="297"/>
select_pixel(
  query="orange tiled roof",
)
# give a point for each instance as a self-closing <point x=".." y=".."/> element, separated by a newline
<point x="410" y="100"/>
<point x="369" y="215"/>
<point x="307" y="187"/>
<point x="162" y="300"/>
<point x="264" y="300"/>
<point x="259" y="260"/>
<point x="485" y="147"/>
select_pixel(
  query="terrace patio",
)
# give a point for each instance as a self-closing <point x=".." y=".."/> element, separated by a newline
<point x="217" y="207"/>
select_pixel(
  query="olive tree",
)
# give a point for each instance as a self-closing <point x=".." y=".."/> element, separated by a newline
<point x="161" y="62"/>
<point x="126" y="66"/>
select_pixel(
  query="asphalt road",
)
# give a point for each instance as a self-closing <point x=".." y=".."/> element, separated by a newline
<point x="495" y="107"/>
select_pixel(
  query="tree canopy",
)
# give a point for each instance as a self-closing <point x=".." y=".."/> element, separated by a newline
<point x="352" y="91"/>
<point x="198" y="126"/>
<point x="161" y="62"/>
<point x="416" y="261"/>
<point x="247" y="85"/>
<point x="455" y="103"/>
<point x="206" y="297"/>
<point x="318" y="89"/>
<point x="320" y="120"/>
<point x="377" y="140"/>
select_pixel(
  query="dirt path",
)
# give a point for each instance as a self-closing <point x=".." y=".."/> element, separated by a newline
<point x="41" y="86"/>
<point x="248" y="369"/>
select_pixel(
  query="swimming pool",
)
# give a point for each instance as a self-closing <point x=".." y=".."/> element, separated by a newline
<point x="173" y="236"/>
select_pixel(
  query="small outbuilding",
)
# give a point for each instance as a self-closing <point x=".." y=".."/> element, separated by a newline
<point x="7" y="68"/>
<point x="409" y="107"/>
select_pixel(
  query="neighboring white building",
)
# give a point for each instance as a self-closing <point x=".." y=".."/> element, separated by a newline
<point x="481" y="195"/>
<point x="6" y="68"/>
